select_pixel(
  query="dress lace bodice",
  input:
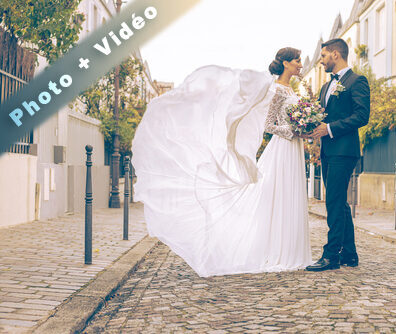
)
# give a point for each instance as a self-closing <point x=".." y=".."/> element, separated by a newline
<point x="276" y="121"/>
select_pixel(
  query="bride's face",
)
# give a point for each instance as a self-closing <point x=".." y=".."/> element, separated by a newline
<point x="294" y="66"/>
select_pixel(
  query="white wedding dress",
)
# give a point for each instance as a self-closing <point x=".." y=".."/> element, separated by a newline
<point x="204" y="195"/>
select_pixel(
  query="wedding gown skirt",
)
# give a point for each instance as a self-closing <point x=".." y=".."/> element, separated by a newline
<point x="204" y="195"/>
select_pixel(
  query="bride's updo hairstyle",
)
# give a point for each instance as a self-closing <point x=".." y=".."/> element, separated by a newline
<point x="285" y="54"/>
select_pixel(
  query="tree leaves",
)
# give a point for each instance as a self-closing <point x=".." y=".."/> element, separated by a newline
<point x="99" y="102"/>
<point x="382" y="104"/>
<point x="52" y="27"/>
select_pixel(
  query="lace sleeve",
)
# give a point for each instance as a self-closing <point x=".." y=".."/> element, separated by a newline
<point x="275" y="122"/>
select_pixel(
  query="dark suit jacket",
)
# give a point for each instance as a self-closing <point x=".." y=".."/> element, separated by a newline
<point x="346" y="113"/>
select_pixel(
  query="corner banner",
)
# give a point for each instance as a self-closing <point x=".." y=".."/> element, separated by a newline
<point x="83" y="65"/>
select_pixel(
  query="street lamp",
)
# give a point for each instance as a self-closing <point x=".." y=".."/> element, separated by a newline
<point x="115" y="157"/>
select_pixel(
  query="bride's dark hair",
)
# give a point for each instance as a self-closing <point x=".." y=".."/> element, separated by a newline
<point x="284" y="54"/>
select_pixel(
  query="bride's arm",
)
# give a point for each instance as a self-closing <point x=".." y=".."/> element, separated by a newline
<point x="274" y="122"/>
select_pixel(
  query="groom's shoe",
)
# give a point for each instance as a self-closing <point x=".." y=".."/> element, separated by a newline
<point x="349" y="262"/>
<point x="324" y="264"/>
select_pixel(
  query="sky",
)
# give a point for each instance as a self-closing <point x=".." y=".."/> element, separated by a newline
<point x="240" y="34"/>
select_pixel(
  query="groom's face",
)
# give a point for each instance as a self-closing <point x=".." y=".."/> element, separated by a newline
<point x="327" y="60"/>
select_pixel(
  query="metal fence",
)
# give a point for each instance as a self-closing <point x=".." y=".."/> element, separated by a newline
<point x="16" y="66"/>
<point x="380" y="155"/>
<point x="9" y="85"/>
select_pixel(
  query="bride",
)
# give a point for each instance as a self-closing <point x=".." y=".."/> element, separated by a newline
<point x="204" y="194"/>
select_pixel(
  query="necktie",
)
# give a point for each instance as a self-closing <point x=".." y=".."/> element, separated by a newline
<point x="334" y="76"/>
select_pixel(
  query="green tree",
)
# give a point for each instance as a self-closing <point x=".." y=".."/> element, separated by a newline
<point x="382" y="105"/>
<point x="362" y="51"/>
<point x="266" y="139"/>
<point x="47" y="27"/>
<point x="99" y="103"/>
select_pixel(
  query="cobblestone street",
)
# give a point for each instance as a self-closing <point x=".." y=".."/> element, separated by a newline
<point x="42" y="263"/>
<point x="166" y="296"/>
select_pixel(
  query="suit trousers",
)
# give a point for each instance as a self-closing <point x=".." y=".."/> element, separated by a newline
<point x="337" y="171"/>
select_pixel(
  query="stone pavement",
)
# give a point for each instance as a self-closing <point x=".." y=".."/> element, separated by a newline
<point x="42" y="263"/>
<point x="166" y="296"/>
<point x="380" y="223"/>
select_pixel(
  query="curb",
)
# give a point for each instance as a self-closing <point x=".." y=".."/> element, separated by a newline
<point x="359" y="228"/>
<point x="73" y="314"/>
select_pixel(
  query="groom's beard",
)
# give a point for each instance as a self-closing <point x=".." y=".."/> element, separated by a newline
<point x="329" y="67"/>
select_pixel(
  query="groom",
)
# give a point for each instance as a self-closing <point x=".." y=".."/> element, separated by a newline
<point x="346" y="98"/>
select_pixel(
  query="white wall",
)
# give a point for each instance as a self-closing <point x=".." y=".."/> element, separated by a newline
<point x="53" y="180"/>
<point x="393" y="69"/>
<point x="376" y="52"/>
<point x="352" y="38"/>
<point x="84" y="130"/>
<point x="310" y="79"/>
<point x="77" y="184"/>
<point x="52" y="133"/>
<point x="17" y="195"/>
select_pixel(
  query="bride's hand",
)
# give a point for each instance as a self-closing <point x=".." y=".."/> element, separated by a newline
<point x="303" y="135"/>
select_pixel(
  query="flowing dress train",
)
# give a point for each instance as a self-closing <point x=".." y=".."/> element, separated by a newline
<point x="204" y="193"/>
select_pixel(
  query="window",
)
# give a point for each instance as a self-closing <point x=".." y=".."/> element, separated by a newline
<point x="380" y="29"/>
<point x="366" y="32"/>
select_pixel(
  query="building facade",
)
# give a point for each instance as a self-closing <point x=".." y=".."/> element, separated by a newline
<point x="48" y="170"/>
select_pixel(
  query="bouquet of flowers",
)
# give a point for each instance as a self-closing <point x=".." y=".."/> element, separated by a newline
<point x="305" y="116"/>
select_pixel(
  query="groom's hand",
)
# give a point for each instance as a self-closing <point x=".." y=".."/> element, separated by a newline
<point x="320" y="131"/>
<point x="306" y="135"/>
<point x="303" y="135"/>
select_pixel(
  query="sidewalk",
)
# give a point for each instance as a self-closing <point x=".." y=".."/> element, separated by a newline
<point x="42" y="263"/>
<point x="380" y="223"/>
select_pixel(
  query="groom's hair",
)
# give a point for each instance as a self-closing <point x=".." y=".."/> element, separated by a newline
<point x="339" y="45"/>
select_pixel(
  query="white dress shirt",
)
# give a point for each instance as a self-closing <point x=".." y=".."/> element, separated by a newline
<point x="331" y="89"/>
